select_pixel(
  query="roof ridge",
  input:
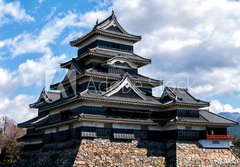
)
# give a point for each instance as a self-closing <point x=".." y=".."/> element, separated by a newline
<point x="203" y="116"/>
<point x="171" y="87"/>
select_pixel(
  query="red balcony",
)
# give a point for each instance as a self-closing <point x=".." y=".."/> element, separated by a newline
<point x="220" y="137"/>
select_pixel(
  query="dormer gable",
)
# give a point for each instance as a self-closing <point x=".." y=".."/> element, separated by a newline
<point x="125" y="84"/>
<point x="180" y="96"/>
<point x="46" y="97"/>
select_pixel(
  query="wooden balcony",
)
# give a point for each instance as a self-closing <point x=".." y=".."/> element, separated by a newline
<point x="220" y="137"/>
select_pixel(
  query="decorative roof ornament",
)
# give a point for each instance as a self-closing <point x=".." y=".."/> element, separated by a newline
<point x="121" y="59"/>
<point x="97" y="22"/>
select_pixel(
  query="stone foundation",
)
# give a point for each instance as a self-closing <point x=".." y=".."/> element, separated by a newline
<point x="106" y="153"/>
<point x="190" y="154"/>
<point x="51" y="155"/>
<point x="101" y="153"/>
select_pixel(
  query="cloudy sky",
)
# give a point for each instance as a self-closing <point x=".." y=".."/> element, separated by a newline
<point x="193" y="44"/>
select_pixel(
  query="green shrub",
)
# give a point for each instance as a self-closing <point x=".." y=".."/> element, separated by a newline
<point x="237" y="143"/>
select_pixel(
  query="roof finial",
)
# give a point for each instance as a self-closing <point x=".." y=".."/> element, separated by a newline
<point x="112" y="12"/>
<point x="97" y="22"/>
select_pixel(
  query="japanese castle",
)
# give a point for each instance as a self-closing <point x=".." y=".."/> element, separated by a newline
<point x="103" y="96"/>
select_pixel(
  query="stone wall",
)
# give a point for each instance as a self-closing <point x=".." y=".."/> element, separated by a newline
<point x="104" y="153"/>
<point x="51" y="155"/>
<point x="190" y="154"/>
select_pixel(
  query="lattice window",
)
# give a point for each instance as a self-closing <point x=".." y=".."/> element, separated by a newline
<point x="88" y="134"/>
<point x="123" y="136"/>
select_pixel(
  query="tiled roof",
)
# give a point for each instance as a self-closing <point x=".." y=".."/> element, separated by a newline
<point x="106" y="53"/>
<point x="215" y="118"/>
<point x="120" y="120"/>
<point x="46" y="97"/>
<point x="28" y="123"/>
<point x="114" y="53"/>
<point x="108" y="27"/>
<point x="137" y="77"/>
<point x="97" y="96"/>
<point x="180" y="96"/>
<point x="34" y="121"/>
<point x="98" y="74"/>
<point x="111" y="25"/>
<point x="207" y="118"/>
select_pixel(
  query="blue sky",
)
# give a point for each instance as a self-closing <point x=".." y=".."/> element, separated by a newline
<point x="194" y="45"/>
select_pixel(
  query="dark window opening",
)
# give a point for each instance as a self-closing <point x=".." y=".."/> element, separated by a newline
<point x="64" y="115"/>
<point x="128" y="114"/>
<point x="117" y="70"/>
<point x="188" y="113"/>
<point x="107" y="45"/>
<point x="217" y="131"/>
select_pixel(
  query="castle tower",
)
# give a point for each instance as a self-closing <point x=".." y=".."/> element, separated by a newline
<point x="104" y="96"/>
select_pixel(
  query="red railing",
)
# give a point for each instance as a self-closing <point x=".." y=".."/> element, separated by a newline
<point x="220" y="137"/>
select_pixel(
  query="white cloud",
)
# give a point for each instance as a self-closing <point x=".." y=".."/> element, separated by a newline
<point x="7" y="82"/>
<point x="29" y="73"/>
<point x="2" y="44"/>
<point x="101" y="4"/>
<point x="198" y="40"/>
<point x="12" y="11"/>
<point x="217" y="107"/>
<point x="35" y="71"/>
<point x="40" y="42"/>
<point x="40" y="1"/>
<point x="194" y="42"/>
<point x="51" y="14"/>
<point x="18" y="107"/>
<point x="218" y="81"/>
<point x="72" y="36"/>
<point x="175" y="44"/>
<point x="89" y="19"/>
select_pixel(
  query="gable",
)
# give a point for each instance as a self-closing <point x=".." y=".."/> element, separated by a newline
<point x="166" y="99"/>
<point x="114" y="29"/>
<point x="111" y="24"/>
<point x="44" y="97"/>
<point x="120" y="88"/>
<point x="127" y="93"/>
